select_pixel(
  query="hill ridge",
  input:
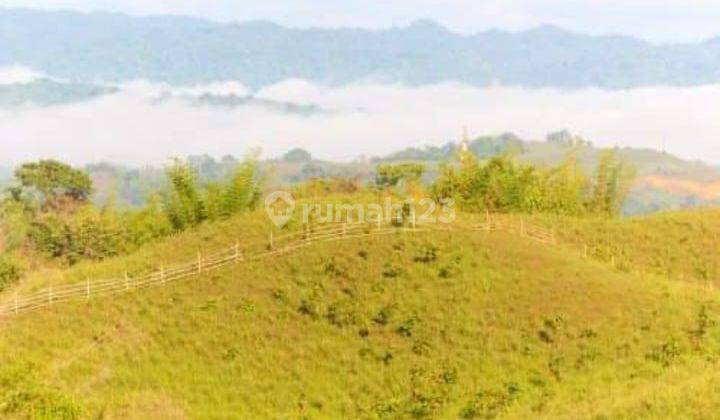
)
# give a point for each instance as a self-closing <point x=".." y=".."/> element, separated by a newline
<point x="233" y="255"/>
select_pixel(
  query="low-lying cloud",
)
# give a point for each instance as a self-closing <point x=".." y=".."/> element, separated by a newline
<point x="18" y="74"/>
<point x="362" y="119"/>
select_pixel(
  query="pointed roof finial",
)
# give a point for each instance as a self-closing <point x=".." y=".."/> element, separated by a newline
<point x="465" y="144"/>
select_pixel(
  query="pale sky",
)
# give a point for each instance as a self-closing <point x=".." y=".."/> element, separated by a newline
<point x="658" y="21"/>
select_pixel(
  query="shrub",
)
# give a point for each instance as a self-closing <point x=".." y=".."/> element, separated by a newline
<point x="665" y="353"/>
<point x="36" y="402"/>
<point x="332" y="268"/>
<point x="310" y="307"/>
<point x="408" y="326"/>
<point x="10" y="272"/>
<point x="384" y="315"/>
<point x="427" y="254"/>
<point x="392" y="271"/>
<point x="342" y="313"/>
<point x="489" y="404"/>
<point x="86" y="234"/>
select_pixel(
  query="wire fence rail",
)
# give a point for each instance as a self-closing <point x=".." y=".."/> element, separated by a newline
<point x="276" y="245"/>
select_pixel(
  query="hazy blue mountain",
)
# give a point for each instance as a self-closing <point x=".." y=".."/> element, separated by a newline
<point x="114" y="47"/>
<point x="46" y="92"/>
<point x="235" y="101"/>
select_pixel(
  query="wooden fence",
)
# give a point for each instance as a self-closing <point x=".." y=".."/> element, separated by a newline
<point x="276" y="245"/>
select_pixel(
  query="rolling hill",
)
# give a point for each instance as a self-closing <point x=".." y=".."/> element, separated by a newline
<point x="439" y="324"/>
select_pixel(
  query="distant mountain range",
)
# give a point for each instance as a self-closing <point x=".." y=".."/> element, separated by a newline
<point x="180" y="50"/>
<point x="45" y="92"/>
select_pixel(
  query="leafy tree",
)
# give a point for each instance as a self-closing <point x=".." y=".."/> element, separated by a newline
<point x="188" y="204"/>
<point x="566" y="187"/>
<point x="57" y="182"/>
<point x="243" y="190"/>
<point x="611" y="186"/>
<point x="184" y="205"/>
<point x="297" y="156"/>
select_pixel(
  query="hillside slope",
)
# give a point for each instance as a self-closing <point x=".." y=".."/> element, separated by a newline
<point x="679" y="245"/>
<point x="441" y="324"/>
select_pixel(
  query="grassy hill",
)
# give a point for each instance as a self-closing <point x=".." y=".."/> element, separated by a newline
<point x="407" y="325"/>
<point x="680" y="245"/>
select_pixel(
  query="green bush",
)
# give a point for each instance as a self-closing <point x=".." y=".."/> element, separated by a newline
<point x="95" y="235"/>
<point x="10" y="272"/>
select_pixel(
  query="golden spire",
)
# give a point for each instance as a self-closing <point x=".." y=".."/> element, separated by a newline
<point x="465" y="145"/>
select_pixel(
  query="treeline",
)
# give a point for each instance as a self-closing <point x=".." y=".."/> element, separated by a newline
<point x="48" y="210"/>
<point x="502" y="184"/>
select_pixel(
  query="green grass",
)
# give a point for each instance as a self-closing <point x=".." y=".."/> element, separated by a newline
<point x="427" y="325"/>
<point x="678" y="245"/>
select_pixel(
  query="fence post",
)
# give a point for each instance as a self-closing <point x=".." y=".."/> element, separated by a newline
<point x="199" y="261"/>
<point x="87" y="287"/>
<point x="237" y="251"/>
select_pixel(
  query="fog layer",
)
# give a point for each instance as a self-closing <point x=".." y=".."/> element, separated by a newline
<point x="133" y="127"/>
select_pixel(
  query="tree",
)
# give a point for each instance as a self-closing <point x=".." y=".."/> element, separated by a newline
<point x="297" y="156"/>
<point x="243" y="191"/>
<point x="57" y="182"/>
<point x="183" y="202"/>
<point x="612" y="185"/>
<point x="188" y="204"/>
<point x="567" y="187"/>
